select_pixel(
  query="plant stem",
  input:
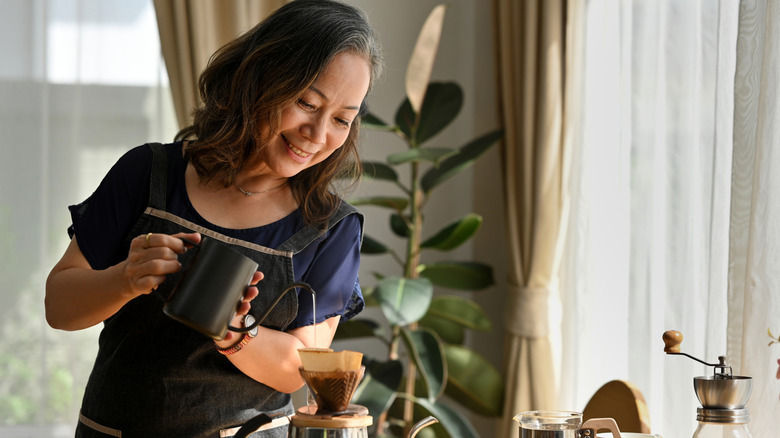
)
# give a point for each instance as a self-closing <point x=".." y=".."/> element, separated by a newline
<point x="411" y="377"/>
<point x="415" y="231"/>
<point x="412" y="262"/>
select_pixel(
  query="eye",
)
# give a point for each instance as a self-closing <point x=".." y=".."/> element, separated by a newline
<point x="343" y="122"/>
<point x="305" y="104"/>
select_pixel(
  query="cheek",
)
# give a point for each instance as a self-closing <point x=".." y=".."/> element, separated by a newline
<point x="330" y="150"/>
<point x="336" y="143"/>
<point x="289" y="118"/>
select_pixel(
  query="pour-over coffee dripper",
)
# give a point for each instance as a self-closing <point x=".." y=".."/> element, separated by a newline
<point x="723" y="396"/>
<point x="332" y="376"/>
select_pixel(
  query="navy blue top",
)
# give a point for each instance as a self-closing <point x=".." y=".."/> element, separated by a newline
<point x="102" y="222"/>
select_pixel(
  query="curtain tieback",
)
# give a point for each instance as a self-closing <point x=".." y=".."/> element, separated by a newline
<point x="528" y="311"/>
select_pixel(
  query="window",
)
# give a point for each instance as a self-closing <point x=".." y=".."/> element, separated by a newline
<point x="82" y="82"/>
<point x="648" y="237"/>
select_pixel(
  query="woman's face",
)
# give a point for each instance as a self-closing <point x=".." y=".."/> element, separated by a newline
<point x="319" y="122"/>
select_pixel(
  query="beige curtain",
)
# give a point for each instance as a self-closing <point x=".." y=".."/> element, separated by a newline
<point x="192" y="30"/>
<point x="535" y="54"/>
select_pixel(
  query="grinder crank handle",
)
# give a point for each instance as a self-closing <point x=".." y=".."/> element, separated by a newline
<point x="673" y="339"/>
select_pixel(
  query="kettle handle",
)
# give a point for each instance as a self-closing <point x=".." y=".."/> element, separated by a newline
<point x="602" y="423"/>
<point x="260" y="320"/>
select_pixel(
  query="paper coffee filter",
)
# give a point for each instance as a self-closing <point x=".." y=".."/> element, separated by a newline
<point x="325" y="359"/>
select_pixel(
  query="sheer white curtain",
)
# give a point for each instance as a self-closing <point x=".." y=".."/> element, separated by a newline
<point x="754" y="268"/>
<point x="648" y="240"/>
<point x="81" y="82"/>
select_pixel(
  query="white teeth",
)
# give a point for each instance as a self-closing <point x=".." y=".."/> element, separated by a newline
<point x="298" y="152"/>
<point x="295" y="150"/>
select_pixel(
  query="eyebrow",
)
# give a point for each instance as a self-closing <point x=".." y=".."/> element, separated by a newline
<point x="316" y="90"/>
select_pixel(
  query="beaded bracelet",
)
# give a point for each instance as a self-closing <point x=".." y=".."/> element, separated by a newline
<point x="236" y="348"/>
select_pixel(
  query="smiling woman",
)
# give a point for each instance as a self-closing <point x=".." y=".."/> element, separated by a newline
<point x="254" y="171"/>
<point x="319" y="122"/>
<point x="252" y="96"/>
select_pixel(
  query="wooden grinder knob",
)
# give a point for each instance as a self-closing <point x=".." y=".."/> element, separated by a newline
<point x="672" y="340"/>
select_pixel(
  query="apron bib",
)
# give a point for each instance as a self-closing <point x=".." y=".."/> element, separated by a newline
<point x="154" y="376"/>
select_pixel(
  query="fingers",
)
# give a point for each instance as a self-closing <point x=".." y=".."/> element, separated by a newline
<point x="230" y="339"/>
<point x="178" y="243"/>
<point x="252" y="292"/>
<point x="245" y="305"/>
<point x="243" y="308"/>
<point x="186" y="240"/>
<point x="257" y="277"/>
<point x="152" y="256"/>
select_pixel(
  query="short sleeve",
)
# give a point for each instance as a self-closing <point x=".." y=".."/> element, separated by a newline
<point x="101" y="223"/>
<point x="333" y="274"/>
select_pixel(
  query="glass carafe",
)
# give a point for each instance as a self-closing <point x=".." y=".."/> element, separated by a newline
<point x="561" y="424"/>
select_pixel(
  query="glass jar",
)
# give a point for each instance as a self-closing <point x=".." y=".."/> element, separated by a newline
<point x="719" y="430"/>
<point x="722" y="423"/>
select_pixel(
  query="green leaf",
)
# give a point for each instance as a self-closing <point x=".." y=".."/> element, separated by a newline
<point x="373" y="246"/>
<point x="451" y="422"/>
<point x="443" y="102"/>
<point x="404" y="300"/>
<point x="425" y="350"/>
<point x="461" y="311"/>
<point x="449" y="316"/>
<point x="371" y="121"/>
<point x="455" y="234"/>
<point x="405" y="118"/>
<point x="448" y="331"/>
<point x="473" y="381"/>
<point x="458" y="275"/>
<point x="394" y="203"/>
<point x="433" y="155"/>
<point x="398" y="225"/>
<point x="358" y="328"/>
<point x="457" y="163"/>
<point x="418" y="71"/>
<point x="381" y="171"/>
<point x="377" y="390"/>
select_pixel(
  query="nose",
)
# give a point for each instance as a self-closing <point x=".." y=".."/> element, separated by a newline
<point x="315" y="130"/>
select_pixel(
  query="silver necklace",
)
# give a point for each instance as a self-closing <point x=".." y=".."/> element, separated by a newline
<point x="248" y="193"/>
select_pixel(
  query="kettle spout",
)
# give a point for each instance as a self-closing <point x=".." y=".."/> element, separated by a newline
<point x="427" y="421"/>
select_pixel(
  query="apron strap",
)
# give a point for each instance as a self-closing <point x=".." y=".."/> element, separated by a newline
<point x="310" y="233"/>
<point x="158" y="181"/>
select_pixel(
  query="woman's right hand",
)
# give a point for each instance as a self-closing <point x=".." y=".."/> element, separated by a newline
<point x="151" y="257"/>
<point x="78" y="297"/>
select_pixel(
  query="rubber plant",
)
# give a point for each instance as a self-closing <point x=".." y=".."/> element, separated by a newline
<point x="424" y="334"/>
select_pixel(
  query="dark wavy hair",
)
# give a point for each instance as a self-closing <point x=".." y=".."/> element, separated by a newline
<point x="250" y="80"/>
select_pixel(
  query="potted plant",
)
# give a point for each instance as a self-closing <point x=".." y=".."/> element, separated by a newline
<point x="424" y="334"/>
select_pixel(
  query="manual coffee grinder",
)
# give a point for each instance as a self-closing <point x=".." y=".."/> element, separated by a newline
<point x="722" y="396"/>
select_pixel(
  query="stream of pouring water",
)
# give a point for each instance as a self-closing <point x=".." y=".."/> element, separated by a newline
<point x="314" y="317"/>
<point x="310" y="399"/>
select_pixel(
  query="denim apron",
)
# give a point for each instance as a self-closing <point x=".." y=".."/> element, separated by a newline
<point x="156" y="377"/>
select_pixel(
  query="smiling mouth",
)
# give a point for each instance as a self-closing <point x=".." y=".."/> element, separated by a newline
<point x="294" y="149"/>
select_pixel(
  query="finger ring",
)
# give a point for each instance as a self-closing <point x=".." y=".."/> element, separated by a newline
<point x="148" y="243"/>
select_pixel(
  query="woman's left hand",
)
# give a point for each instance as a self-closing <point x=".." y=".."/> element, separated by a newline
<point x="231" y="337"/>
